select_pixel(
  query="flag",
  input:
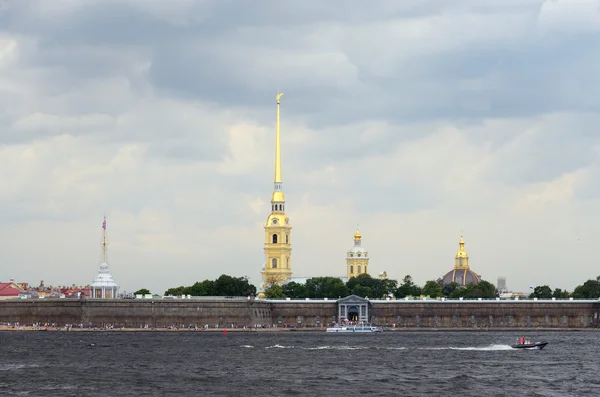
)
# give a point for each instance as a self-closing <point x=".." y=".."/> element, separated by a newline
<point x="104" y="224"/>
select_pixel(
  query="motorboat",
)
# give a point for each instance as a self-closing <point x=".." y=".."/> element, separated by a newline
<point x="354" y="328"/>
<point x="530" y="345"/>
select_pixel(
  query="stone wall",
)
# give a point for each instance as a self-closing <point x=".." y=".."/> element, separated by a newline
<point x="135" y="313"/>
<point x="505" y="314"/>
<point x="304" y="313"/>
<point x="138" y="313"/>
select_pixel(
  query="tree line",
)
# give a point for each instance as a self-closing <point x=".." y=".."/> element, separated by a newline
<point x="366" y="286"/>
<point x="588" y="290"/>
<point x="223" y="286"/>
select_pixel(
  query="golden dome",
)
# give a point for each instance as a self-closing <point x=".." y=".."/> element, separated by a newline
<point x="357" y="235"/>
<point x="278" y="197"/>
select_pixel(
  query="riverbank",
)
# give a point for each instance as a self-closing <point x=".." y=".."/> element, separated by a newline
<point x="277" y="330"/>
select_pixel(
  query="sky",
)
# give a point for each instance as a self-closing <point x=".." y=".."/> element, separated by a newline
<point x="419" y="121"/>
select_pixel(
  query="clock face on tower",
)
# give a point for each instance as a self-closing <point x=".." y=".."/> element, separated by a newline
<point x="274" y="221"/>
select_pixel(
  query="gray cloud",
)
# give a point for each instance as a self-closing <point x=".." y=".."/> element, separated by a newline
<point x="416" y="119"/>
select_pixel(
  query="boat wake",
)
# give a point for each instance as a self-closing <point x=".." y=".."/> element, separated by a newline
<point x="471" y="348"/>
<point x="279" y="347"/>
<point x="329" y="347"/>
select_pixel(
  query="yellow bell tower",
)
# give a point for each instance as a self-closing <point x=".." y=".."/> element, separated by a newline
<point x="278" y="243"/>
<point x="357" y="259"/>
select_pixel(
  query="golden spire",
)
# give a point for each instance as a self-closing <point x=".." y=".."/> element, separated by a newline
<point x="357" y="235"/>
<point x="277" y="148"/>
<point x="462" y="258"/>
<point x="278" y="196"/>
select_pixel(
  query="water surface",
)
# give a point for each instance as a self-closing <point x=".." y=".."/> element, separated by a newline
<point x="296" y="363"/>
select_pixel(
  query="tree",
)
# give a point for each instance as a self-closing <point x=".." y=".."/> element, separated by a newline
<point x="233" y="286"/>
<point x="432" y="289"/>
<point x="275" y="291"/>
<point x="590" y="289"/>
<point x="541" y="292"/>
<point x="448" y="289"/>
<point x="326" y="287"/>
<point x="483" y="289"/>
<point x="143" y="291"/>
<point x="407" y="288"/>
<point x="559" y="293"/>
<point x="204" y="288"/>
<point x="223" y="286"/>
<point x="294" y="290"/>
<point x="361" y="290"/>
<point x="176" y="291"/>
<point x="375" y="287"/>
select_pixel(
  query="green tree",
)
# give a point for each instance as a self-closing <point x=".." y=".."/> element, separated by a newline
<point x="483" y="289"/>
<point x="362" y="291"/>
<point x="407" y="288"/>
<point x="274" y="291"/>
<point x="432" y="288"/>
<point x="223" y="286"/>
<point x="204" y="288"/>
<point x="541" y="292"/>
<point x="448" y="289"/>
<point x="326" y="287"/>
<point x="143" y="291"/>
<point x="589" y="290"/>
<point x="295" y="290"/>
<point x="559" y="293"/>
<point x="378" y="288"/>
<point x="176" y="291"/>
<point x="233" y="286"/>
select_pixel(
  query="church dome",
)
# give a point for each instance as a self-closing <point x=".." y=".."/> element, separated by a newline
<point x="461" y="277"/>
<point x="461" y="274"/>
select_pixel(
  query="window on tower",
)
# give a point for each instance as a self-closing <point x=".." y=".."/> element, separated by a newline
<point x="358" y="269"/>
<point x="287" y="239"/>
<point x="274" y="263"/>
<point x="351" y="269"/>
<point x="274" y="239"/>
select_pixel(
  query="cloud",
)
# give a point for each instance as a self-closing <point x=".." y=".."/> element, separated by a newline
<point x="417" y="120"/>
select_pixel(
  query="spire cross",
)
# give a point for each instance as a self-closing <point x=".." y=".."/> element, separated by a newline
<point x="104" y="243"/>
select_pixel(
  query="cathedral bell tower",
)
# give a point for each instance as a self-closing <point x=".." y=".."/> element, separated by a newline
<point x="278" y="243"/>
<point x="357" y="259"/>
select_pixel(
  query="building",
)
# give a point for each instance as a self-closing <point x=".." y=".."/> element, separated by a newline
<point x="357" y="259"/>
<point x="10" y="290"/>
<point x="461" y="274"/>
<point x="103" y="286"/>
<point x="278" y="238"/>
<point x="501" y="285"/>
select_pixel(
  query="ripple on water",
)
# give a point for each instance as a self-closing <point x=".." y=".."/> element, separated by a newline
<point x="161" y="364"/>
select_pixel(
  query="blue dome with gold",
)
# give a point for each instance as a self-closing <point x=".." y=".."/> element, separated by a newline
<point x="461" y="274"/>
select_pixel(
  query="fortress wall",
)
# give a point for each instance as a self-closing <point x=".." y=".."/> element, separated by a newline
<point x="303" y="313"/>
<point x="487" y="314"/>
<point x="135" y="313"/>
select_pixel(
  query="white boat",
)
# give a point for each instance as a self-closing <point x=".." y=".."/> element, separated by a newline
<point x="354" y="328"/>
